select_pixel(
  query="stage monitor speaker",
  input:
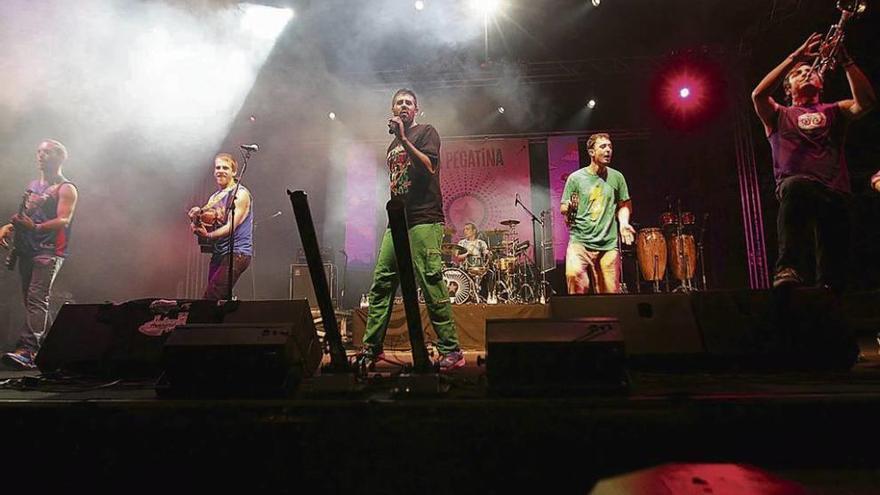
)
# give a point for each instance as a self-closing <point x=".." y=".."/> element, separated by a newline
<point x="799" y="329"/>
<point x="552" y="357"/>
<point x="252" y="349"/>
<point x="652" y="324"/>
<point x="114" y="340"/>
<point x="301" y="286"/>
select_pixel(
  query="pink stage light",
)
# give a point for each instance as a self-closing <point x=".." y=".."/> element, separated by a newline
<point x="684" y="93"/>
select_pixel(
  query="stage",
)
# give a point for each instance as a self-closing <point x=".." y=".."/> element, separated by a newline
<point x="470" y="323"/>
<point x="814" y="428"/>
<point x="808" y="426"/>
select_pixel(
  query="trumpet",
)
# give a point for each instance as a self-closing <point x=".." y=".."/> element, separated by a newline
<point x="833" y="40"/>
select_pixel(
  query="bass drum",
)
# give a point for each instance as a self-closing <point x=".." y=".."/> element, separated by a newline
<point x="459" y="285"/>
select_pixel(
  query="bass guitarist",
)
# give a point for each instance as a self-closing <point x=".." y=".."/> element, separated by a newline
<point x="40" y="235"/>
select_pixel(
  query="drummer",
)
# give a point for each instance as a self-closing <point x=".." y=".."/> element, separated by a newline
<point x="477" y="249"/>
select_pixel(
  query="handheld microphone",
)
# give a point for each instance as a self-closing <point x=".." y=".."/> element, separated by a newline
<point x="250" y="147"/>
<point x="392" y="128"/>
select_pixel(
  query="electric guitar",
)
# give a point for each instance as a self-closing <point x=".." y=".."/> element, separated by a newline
<point x="12" y="257"/>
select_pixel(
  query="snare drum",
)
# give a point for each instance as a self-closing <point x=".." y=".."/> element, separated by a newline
<point x="651" y="251"/>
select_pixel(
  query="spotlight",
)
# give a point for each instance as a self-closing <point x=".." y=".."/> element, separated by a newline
<point x="265" y="22"/>
<point x="419" y="5"/>
<point x="684" y="92"/>
<point x="596" y="2"/>
<point x="331" y="116"/>
<point x="252" y="118"/>
<point x="501" y="110"/>
<point x="591" y="104"/>
<point x="486" y="7"/>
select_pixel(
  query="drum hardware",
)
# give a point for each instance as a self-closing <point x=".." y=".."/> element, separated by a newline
<point x="452" y="249"/>
<point x="683" y="254"/>
<point x="700" y="250"/>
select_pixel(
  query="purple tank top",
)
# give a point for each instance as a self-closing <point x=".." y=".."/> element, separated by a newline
<point x="808" y="142"/>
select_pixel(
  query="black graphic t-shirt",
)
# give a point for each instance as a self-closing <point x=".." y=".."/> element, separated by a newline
<point x="412" y="181"/>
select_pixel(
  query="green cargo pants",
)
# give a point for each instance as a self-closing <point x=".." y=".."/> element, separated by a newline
<point x="425" y="241"/>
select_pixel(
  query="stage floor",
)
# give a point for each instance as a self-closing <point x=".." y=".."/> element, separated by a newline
<point x="812" y="427"/>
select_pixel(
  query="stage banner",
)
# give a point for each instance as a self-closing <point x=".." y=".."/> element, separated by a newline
<point x="563" y="160"/>
<point x="480" y="180"/>
<point x="364" y="168"/>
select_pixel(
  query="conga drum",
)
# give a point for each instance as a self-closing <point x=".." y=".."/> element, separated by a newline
<point x="682" y="256"/>
<point x="651" y="251"/>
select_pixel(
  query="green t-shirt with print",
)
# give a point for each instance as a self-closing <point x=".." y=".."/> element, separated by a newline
<point x="596" y="224"/>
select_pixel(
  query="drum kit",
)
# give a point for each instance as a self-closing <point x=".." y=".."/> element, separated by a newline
<point x="673" y="245"/>
<point x="504" y="273"/>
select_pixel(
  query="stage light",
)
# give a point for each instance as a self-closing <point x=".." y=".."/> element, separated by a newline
<point x="684" y="92"/>
<point x="501" y="110"/>
<point x="252" y="118"/>
<point x="596" y="2"/>
<point x="331" y="116"/>
<point x="422" y="113"/>
<point x="265" y="22"/>
<point x="591" y="104"/>
<point x="486" y="7"/>
<point x="419" y="5"/>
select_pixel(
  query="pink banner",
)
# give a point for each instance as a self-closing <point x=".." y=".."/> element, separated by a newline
<point x="563" y="160"/>
<point x="480" y="180"/>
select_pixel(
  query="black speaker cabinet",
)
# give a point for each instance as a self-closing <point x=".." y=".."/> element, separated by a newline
<point x="245" y="355"/>
<point x="301" y="286"/>
<point x="550" y="357"/>
<point x="791" y="329"/>
<point x="114" y="340"/>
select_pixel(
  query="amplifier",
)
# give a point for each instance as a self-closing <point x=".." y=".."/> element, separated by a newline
<point x="301" y="282"/>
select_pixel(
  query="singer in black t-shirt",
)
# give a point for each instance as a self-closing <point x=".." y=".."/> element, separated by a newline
<point x="413" y="160"/>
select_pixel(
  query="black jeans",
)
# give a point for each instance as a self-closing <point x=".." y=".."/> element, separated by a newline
<point x="218" y="274"/>
<point x="813" y="219"/>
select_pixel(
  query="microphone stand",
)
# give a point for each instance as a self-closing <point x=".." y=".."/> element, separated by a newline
<point x="245" y="156"/>
<point x="541" y="223"/>
<point x="702" y="255"/>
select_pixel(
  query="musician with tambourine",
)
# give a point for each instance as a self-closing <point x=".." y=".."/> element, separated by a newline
<point x="212" y="225"/>
<point x="38" y="237"/>
<point x="596" y="206"/>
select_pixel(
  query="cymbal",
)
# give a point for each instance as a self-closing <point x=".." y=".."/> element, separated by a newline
<point x="497" y="231"/>
<point x="509" y="223"/>
<point x="452" y="249"/>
